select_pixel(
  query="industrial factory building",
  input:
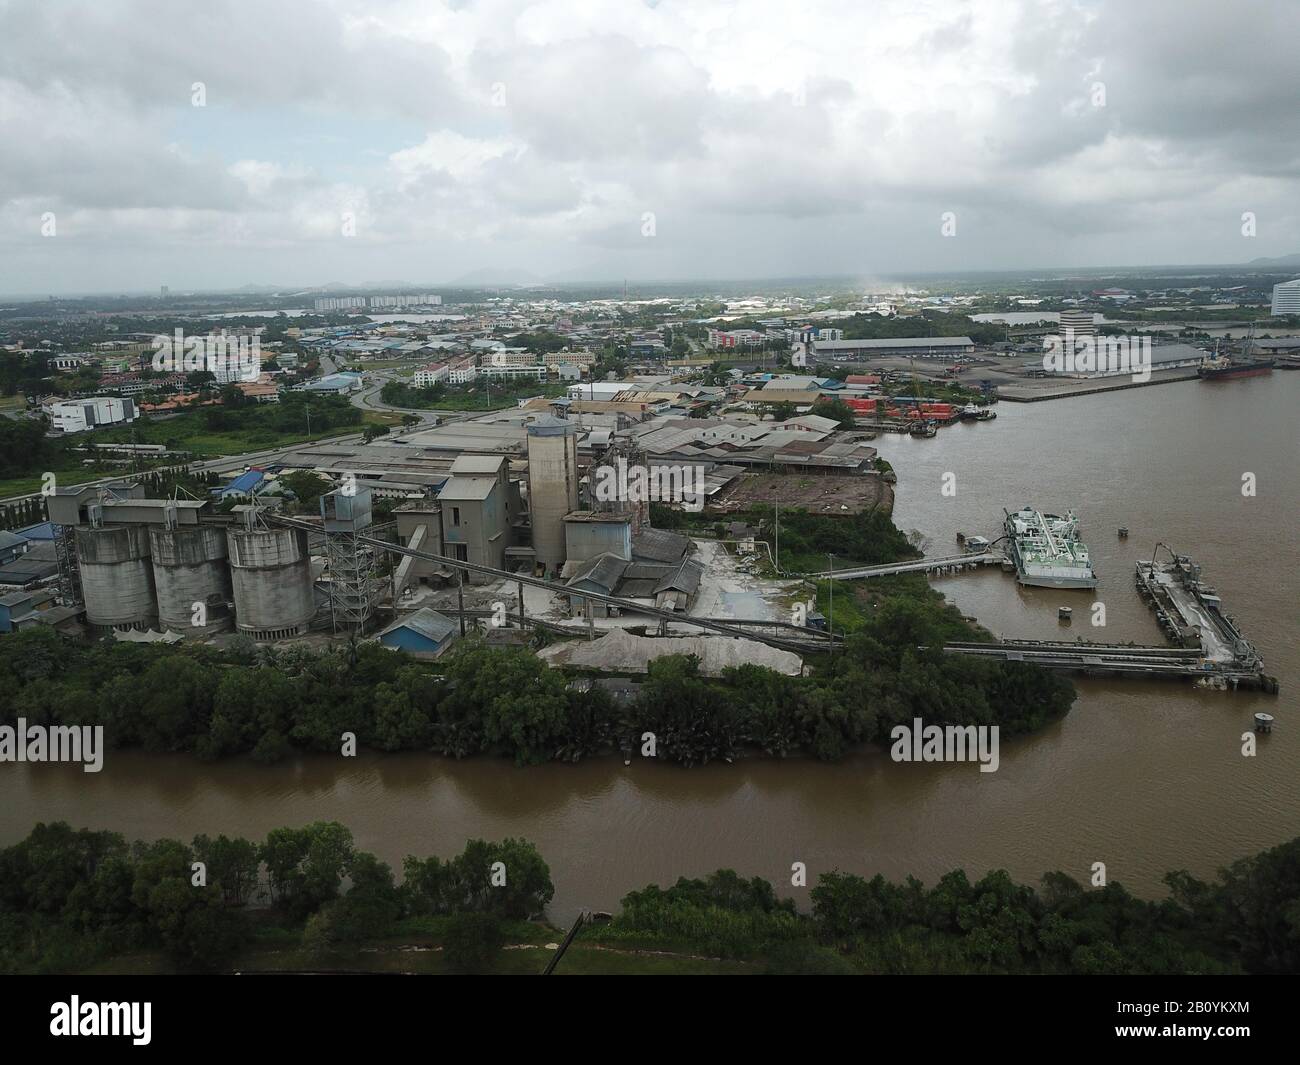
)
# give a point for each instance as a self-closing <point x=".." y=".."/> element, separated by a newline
<point x="476" y="502"/>
<point x="922" y="347"/>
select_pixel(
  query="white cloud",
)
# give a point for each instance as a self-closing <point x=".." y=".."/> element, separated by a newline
<point x="766" y="138"/>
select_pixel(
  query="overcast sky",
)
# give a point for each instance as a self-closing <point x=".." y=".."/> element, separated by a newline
<point x="765" y="139"/>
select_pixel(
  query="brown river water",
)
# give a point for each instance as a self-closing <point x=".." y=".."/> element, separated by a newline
<point x="1144" y="776"/>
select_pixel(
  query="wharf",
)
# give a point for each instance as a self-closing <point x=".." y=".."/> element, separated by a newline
<point x="1100" y="659"/>
<point x="1208" y="644"/>
<point x="1190" y="611"/>
<point x="1038" y="389"/>
<point x="950" y="564"/>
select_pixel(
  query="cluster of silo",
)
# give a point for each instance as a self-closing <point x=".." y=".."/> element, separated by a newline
<point x="180" y="575"/>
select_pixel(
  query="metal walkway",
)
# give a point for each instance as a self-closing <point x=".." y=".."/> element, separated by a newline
<point x="1099" y="658"/>
<point x="950" y="564"/>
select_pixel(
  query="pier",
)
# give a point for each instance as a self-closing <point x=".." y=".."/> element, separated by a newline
<point x="950" y="564"/>
<point x="1101" y="659"/>
<point x="1207" y="644"/>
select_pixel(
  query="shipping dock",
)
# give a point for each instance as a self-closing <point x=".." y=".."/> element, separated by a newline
<point x="1208" y="646"/>
<point x="1191" y="614"/>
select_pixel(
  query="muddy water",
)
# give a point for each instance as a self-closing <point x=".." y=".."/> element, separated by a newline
<point x="1143" y="776"/>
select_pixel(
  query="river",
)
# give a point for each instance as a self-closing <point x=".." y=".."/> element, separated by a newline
<point x="1143" y="776"/>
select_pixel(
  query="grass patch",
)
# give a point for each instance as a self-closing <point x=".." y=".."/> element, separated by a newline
<point x="189" y="431"/>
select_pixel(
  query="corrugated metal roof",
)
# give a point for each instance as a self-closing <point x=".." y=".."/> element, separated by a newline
<point x="467" y="488"/>
<point x="425" y="622"/>
<point x="685" y="578"/>
<point x="659" y="545"/>
<point x="604" y="571"/>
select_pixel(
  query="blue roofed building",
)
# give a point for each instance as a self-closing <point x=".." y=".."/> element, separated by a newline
<point x="11" y="546"/>
<point x="425" y="634"/>
<point x="43" y="530"/>
<point x="243" y="485"/>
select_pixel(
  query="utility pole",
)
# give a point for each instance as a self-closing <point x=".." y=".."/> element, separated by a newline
<point x="831" y="620"/>
<point x="460" y="598"/>
<point x="776" y="514"/>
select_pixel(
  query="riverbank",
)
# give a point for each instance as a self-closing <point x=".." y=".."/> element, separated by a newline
<point x="167" y="906"/>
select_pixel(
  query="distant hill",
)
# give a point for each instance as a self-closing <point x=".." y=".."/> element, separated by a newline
<point x="1281" y="260"/>
<point x="494" y="276"/>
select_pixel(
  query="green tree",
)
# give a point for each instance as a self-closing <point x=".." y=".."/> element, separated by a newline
<point x="472" y="942"/>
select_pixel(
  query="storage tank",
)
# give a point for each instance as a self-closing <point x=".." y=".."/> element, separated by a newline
<point x="552" y="485"/>
<point x="270" y="571"/>
<point x="189" y="567"/>
<point x="117" y="577"/>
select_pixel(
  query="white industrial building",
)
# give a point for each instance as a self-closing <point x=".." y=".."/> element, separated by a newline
<point x="78" y="415"/>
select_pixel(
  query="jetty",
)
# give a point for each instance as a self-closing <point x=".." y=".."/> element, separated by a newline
<point x="1207" y="644"/>
<point x="1101" y="659"/>
<point x="937" y="566"/>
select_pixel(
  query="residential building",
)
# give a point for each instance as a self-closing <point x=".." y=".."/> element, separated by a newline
<point x="536" y="371"/>
<point x="1286" y="297"/>
<point x="462" y="372"/>
<point x="430" y="375"/>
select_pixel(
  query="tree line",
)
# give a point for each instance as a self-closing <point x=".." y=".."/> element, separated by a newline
<point x="1244" y="921"/>
<point x="479" y="699"/>
<point x="71" y="897"/>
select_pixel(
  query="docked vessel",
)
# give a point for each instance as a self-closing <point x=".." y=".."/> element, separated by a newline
<point x="974" y="413"/>
<point x="1046" y="550"/>
<point x="1224" y="367"/>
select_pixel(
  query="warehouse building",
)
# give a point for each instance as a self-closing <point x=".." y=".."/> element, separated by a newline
<point x="922" y="347"/>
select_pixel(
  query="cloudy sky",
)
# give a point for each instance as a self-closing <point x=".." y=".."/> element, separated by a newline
<point x="292" y="142"/>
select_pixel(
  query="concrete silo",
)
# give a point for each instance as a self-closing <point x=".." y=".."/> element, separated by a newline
<point x="117" y="577"/>
<point x="552" y="485"/>
<point x="271" y="573"/>
<point x="189" y="568"/>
